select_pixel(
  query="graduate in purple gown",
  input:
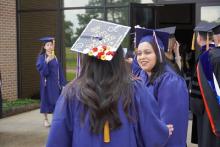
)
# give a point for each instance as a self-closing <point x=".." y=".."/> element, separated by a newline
<point x="166" y="85"/>
<point x="52" y="79"/>
<point x="208" y="75"/>
<point x="105" y="106"/>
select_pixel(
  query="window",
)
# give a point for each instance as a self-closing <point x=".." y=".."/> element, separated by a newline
<point x="74" y="23"/>
<point x="126" y="2"/>
<point x="82" y="3"/>
<point x="210" y="13"/>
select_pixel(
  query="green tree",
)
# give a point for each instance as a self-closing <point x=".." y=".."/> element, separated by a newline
<point x="117" y="15"/>
<point x="68" y="33"/>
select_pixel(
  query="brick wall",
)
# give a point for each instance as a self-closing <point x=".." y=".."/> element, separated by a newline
<point x="8" y="48"/>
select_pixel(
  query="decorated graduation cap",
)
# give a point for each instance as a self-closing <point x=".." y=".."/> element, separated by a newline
<point x="169" y="30"/>
<point x="148" y="35"/>
<point x="100" y="39"/>
<point x="203" y="28"/>
<point x="47" y="39"/>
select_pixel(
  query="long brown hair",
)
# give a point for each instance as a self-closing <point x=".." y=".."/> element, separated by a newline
<point x="158" y="69"/>
<point x="100" y="87"/>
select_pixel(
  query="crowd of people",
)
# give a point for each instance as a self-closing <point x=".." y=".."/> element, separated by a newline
<point x="137" y="100"/>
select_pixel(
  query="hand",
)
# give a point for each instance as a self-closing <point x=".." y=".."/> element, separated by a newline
<point x="129" y="60"/>
<point x="170" y="128"/>
<point x="176" y="48"/>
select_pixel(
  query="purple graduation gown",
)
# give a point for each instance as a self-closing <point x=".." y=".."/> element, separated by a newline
<point x="135" y="68"/>
<point x="51" y="82"/>
<point x="149" y="131"/>
<point x="171" y="93"/>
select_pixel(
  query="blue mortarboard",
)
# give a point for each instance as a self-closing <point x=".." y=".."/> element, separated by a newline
<point x="204" y="27"/>
<point x="169" y="30"/>
<point x="143" y="34"/>
<point x="46" y="39"/>
<point x="100" y="39"/>
<point x="216" y="28"/>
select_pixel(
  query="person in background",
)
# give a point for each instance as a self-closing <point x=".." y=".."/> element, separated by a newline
<point x="208" y="74"/>
<point x="164" y="83"/>
<point x="105" y="106"/>
<point x="129" y="56"/>
<point x="173" y="54"/>
<point x="204" y="41"/>
<point x="52" y="78"/>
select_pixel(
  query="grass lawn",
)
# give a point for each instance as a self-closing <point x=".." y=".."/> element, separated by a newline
<point x="71" y="63"/>
<point x="7" y="105"/>
<point x="70" y="75"/>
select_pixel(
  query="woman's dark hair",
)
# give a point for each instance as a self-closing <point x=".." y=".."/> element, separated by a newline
<point x="158" y="69"/>
<point x="100" y="87"/>
<point x="42" y="50"/>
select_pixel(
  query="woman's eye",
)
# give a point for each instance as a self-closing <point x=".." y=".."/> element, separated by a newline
<point x="139" y="53"/>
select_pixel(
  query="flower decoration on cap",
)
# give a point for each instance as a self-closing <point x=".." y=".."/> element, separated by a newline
<point x="102" y="52"/>
<point x="100" y="39"/>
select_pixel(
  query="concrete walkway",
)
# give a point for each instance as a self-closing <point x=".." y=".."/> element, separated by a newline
<point x="23" y="130"/>
<point x="27" y="130"/>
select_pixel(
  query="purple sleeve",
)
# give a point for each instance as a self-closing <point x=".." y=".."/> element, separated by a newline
<point x="42" y="66"/>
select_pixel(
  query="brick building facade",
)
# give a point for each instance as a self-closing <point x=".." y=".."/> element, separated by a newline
<point x="8" y="49"/>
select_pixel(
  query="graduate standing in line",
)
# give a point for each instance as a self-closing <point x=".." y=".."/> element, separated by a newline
<point x="208" y="74"/>
<point x="172" y="55"/>
<point x="165" y="84"/>
<point x="105" y="106"/>
<point x="204" y="40"/>
<point x="52" y="78"/>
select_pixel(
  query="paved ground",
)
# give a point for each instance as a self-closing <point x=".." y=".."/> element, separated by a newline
<point x="26" y="130"/>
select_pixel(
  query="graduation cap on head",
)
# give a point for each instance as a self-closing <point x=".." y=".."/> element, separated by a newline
<point x="216" y="28"/>
<point x="203" y="27"/>
<point x="169" y="30"/>
<point x="143" y="34"/>
<point x="148" y="35"/>
<point x="100" y="39"/>
<point x="47" y="39"/>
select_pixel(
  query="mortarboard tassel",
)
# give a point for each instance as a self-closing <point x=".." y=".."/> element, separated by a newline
<point x="193" y="42"/>
<point x="207" y="42"/>
<point x="78" y="65"/>
<point x="106" y="132"/>
<point x="158" y="46"/>
<point x="53" y="54"/>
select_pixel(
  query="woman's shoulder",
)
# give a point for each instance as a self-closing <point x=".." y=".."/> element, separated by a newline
<point x="140" y="90"/>
<point x="169" y="76"/>
<point x="41" y="56"/>
<point x="70" y="91"/>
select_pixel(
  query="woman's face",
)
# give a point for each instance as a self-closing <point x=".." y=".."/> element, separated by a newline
<point x="146" y="56"/>
<point x="49" y="46"/>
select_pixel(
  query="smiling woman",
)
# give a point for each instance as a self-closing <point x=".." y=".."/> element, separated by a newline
<point x="146" y="56"/>
<point x="160" y="79"/>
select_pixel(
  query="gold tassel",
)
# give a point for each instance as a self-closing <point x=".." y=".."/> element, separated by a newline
<point x="106" y="132"/>
<point x="53" y="54"/>
<point x="207" y="42"/>
<point x="193" y="42"/>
